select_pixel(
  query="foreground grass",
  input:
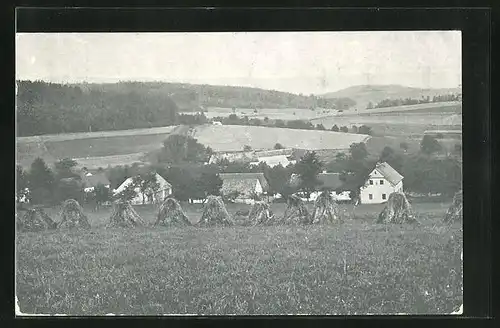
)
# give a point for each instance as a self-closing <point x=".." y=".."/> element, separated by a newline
<point x="355" y="268"/>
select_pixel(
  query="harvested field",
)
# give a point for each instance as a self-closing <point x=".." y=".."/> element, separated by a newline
<point x="356" y="268"/>
<point x="96" y="148"/>
<point x="234" y="137"/>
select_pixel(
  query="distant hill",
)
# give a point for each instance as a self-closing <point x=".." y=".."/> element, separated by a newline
<point x="192" y="97"/>
<point x="363" y="94"/>
<point x="49" y="108"/>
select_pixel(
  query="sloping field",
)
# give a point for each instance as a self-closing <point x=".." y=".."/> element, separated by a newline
<point x="114" y="160"/>
<point x="270" y="113"/>
<point x="235" y="137"/>
<point x="96" y="148"/>
<point x="443" y="107"/>
<point x="100" y="134"/>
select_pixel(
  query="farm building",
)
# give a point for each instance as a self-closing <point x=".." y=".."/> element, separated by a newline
<point x="331" y="182"/>
<point x="90" y="180"/>
<point x="382" y="181"/>
<point x="271" y="157"/>
<point x="243" y="185"/>
<point x="163" y="192"/>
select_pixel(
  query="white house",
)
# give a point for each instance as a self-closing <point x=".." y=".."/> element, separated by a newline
<point x="244" y="184"/>
<point x="163" y="192"/>
<point x="381" y="182"/>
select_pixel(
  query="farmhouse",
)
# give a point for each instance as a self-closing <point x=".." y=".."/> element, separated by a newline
<point x="90" y="180"/>
<point x="381" y="182"/>
<point x="163" y="192"/>
<point x="244" y="185"/>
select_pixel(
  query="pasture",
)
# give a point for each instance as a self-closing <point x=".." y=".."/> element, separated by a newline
<point x="356" y="268"/>
<point x="235" y="137"/>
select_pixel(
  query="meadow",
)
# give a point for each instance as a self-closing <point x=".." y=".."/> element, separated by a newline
<point x="358" y="267"/>
<point x="235" y="137"/>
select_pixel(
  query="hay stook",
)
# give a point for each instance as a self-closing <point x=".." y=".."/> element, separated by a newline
<point x="72" y="216"/>
<point x="296" y="212"/>
<point x="35" y="220"/>
<point x="170" y="214"/>
<point x="260" y="214"/>
<point x="326" y="209"/>
<point x="455" y="211"/>
<point x="125" y="216"/>
<point x="215" y="213"/>
<point x="397" y="210"/>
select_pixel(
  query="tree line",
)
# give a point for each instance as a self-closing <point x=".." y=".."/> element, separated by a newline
<point x="47" y="108"/>
<point x="183" y="162"/>
<point x="50" y="108"/>
<point x="413" y="101"/>
<point x="234" y="119"/>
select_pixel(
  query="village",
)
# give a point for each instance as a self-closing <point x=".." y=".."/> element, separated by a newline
<point x="177" y="198"/>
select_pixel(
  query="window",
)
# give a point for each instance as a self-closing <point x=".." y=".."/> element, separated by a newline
<point x="384" y="196"/>
<point x="371" y="182"/>
<point x="381" y="182"/>
<point x="370" y="196"/>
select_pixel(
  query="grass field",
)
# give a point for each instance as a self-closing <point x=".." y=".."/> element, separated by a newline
<point x="235" y="137"/>
<point x="355" y="268"/>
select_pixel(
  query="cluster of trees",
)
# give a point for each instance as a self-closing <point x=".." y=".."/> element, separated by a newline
<point x="363" y="129"/>
<point x="424" y="172"/>
<point x="51" y="186"/>
<point x="178" y="149"/>
<point x="46" y="108"/>
<point x="234" y="119"/>
<point x="413" y="101"/>
<point x="193" y="97"/>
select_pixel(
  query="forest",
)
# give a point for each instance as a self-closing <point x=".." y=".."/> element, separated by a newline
<point x="50" y="108"/>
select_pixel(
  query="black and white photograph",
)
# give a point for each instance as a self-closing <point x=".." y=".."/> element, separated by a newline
<point x="239" y="173"/>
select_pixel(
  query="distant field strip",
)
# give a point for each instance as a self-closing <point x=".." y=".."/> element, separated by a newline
<point x="104" y="146"/>
<point x="441" y="106"/>
<point x="104" y="161"/>
<point x="234" y="138"/>
<point x="100" y="134"/>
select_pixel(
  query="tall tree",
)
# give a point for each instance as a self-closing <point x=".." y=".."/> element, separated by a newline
<point x="41" y="181"/>
<point x="358" y="151"/>
<point x="429" y="145"/>
<point x="63" y="168"/>
<point x="335" y="128"/>
<point x="308" y="169"/>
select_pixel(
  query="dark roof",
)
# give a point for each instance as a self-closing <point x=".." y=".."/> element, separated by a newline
<point x="389" y="173"/>
<point x="246" y="176"/>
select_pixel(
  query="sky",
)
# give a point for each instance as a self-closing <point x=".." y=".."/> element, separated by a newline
<point x="297" y="62"/>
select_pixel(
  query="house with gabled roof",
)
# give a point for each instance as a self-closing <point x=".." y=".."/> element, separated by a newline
<point x="244" y="185"/>
<point x="382" y="181"/>
<point x="150" y="197"/>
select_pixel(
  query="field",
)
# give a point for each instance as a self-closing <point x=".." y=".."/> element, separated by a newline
<point x="235" y="137"/>
<point x="271" y="113"/>
<point x="356" y="268"/>
<point x="95" y="148"/>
